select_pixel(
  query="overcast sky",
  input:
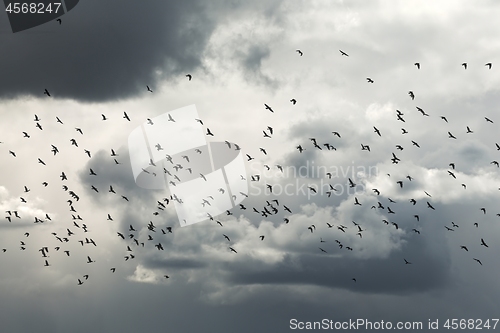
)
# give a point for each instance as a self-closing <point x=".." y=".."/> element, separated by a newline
<point x="242" y="55"/>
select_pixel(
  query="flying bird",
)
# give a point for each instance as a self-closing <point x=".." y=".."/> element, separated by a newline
<point x="149" y="89"/>
<point x="189" y="76"/>
<point x="46" y="92"/>
<point x="299" y="52"/>
<point x="343" y="53"/>
<point x="488" y="64"/>
<point x="125" y="116"/>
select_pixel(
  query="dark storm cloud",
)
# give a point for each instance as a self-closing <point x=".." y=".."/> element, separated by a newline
<point x="105" y="51"/>
<point x="428" y="253"/>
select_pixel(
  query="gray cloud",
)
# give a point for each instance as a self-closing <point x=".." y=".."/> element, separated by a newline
<point x="105" y="52"/>
<point x="243" y="55"/>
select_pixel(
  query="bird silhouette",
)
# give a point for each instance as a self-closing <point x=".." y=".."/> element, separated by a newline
<point x="189" y="76"/>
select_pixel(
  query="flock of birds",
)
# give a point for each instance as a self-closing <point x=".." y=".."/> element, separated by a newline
<point x="272" y="207"/>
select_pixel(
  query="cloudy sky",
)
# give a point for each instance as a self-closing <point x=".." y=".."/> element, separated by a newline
<point x="242" y="55"/>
